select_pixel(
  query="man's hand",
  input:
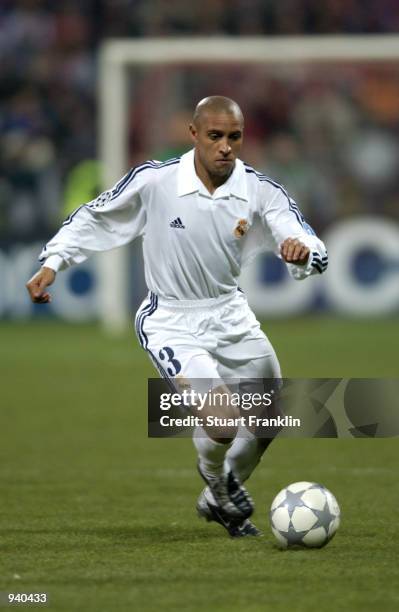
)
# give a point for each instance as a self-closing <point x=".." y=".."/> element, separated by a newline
<point x="38" y="283"/>
<point x="294" y="251"/>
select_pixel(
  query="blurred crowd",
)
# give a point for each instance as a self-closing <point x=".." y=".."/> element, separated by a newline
<point x="331" y="138"/>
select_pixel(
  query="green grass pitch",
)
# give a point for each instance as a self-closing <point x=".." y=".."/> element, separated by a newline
<point x="102" y="518"/>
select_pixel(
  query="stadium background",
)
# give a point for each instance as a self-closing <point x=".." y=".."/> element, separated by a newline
<point x="92" y="511"/>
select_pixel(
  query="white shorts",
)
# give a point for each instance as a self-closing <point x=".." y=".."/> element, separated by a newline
<point x="217" y="338"/>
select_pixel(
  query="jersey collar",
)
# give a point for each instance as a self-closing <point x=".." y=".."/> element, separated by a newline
<point x="188" y="181"/>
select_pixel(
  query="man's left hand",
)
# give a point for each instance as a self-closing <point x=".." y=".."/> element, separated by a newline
<point x="294" y="251"/>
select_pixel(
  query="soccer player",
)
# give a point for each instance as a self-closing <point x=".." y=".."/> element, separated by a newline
<point x="201" y="216"/>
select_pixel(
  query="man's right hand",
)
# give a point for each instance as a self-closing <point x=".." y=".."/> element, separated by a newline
<point x="38" y="283"/>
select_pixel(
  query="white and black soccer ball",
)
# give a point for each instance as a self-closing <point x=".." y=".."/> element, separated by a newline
<point x="304" y="514"/>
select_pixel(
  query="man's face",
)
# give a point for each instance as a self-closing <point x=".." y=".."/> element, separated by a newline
<point x="218" y="139"/>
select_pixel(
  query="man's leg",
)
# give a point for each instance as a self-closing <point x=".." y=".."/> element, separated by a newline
<point x="252" y="358"/>
<point x="164" y="334"/>
<point x="212" y="444"/>
<point x="244" y="353"/>
<point x="245" y="454"/>
<point x="173" y="349"/>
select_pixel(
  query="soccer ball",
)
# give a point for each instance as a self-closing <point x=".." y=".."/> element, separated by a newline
<point x="304" y="514"/>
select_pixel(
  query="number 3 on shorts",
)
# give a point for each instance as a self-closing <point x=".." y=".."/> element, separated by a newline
<point x="176" y="365"/>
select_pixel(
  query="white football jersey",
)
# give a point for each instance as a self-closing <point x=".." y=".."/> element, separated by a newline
<point x="194" y="242"/>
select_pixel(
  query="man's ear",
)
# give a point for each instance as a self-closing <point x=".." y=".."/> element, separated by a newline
<point x="193" y="132"/>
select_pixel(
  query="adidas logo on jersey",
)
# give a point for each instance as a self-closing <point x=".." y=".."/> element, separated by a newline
<point x="177" y="223"/>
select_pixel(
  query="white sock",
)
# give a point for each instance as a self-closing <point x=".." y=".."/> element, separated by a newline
<point x="211" y="454"/>
<point x="244" y="454"/>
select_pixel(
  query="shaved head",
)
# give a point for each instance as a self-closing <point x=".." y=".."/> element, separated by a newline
<point x="217" y="132"/>
<point x="216" y="105"/>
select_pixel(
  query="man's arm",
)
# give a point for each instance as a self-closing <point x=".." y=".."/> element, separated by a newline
<point x="296" y="243"/>
<point x="113" y="219"/>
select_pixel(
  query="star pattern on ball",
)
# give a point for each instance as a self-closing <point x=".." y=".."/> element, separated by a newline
<point x="324" y="517"/>
<point x="292" y="536"/>
<point x="292" y="501"/>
